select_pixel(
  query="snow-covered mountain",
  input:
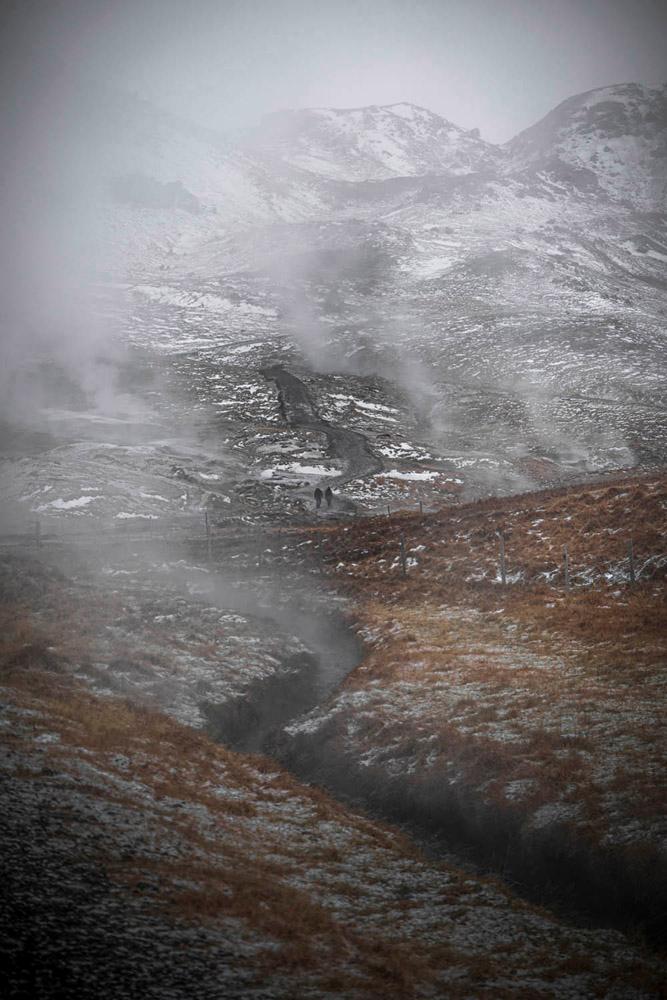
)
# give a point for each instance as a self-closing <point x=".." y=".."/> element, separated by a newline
<point x="614" y="138"/>
<point x="373" y="143"/>
<point x="360" y="234"/>
<point x="610" y="141"/>
<point x="397" y="162"/>
<point x="471" y="310"/>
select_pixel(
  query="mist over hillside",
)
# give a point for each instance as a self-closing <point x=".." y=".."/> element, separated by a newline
<point x="336" y="440"/>
<point x="510" y="300"/>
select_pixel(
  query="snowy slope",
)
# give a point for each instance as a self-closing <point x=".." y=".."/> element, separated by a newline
<point x="509" y="304"/>
<point x="616" y="137"/>
<point x="156" y="179"/>
<point x="373" y="143"/>
<point x="166" y="184"/>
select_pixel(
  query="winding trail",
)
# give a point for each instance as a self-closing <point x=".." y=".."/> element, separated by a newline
<point x="299" y="411"/>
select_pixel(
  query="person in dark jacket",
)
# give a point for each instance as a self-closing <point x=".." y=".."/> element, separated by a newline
<point x="318" y="497"/>
<point x="328" y="496"/>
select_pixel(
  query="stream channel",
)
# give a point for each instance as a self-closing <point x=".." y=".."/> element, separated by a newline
<point x="581" y="885"/>
<point x="451" y="825"/>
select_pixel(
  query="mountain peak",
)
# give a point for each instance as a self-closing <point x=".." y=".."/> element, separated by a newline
<point x="412" y="112"/>
<point x="373" y="143"/>
<point x="617" y="133"/>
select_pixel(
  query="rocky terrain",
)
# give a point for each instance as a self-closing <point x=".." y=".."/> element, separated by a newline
<point x="377" y="300"/>
<point x="490" y="318"/>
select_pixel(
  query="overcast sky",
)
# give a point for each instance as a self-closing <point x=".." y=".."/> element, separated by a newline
<point x="494" y="64"/>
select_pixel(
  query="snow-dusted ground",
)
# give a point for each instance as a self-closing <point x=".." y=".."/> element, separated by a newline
<point x="526" y="718"/>
<point x="474" y="317"/>
<point x="157" y="844"/>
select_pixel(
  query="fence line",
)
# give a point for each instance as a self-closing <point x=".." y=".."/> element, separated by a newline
<point x="404" y="562"/>
<point x="503" y="567"/>
<point x="631" y="561"/>
<point x="633" y="572"/>
<point x="189" y="528"/>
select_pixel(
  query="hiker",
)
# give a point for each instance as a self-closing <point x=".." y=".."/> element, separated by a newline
<point x="318" y="497"/>
<point x="328" y="496"/>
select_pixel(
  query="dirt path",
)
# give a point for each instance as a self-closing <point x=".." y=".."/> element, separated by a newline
<point x="299" y="411"/>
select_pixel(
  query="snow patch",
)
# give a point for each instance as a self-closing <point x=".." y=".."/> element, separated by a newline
<point x="411" y="476"/>
<point x="67" y="504"/>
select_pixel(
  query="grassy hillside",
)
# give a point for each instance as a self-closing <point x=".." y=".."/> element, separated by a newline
<point x="141" y="858"/>
<point x="525" y="717"/>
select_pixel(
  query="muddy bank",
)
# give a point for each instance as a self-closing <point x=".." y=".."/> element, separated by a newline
<point x="240" y="659"/>
<point x="279" y="606"/>
<point x="253" y="721"/>
<point x="550" y="866"/>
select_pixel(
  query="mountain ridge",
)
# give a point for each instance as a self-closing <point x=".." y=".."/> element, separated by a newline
<point x="511" y="315"/>
<point x="371" y="143"/>
<point x="618" y="133"/>
<point x="610" y="142"/>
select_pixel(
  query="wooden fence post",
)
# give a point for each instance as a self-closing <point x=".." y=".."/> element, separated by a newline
<point x="631" y="562"/>
<point x="404" y="561"/>
<point x="503" y="567"/>
<point x="421" y="507"/>
<point x="566" y="568"/>
<point x="208" y="536"/>
<point x="388" y="511"/>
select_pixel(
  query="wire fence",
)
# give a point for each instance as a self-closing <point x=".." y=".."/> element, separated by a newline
<point x="626" y="568"/>
<point x="208" y="535"/>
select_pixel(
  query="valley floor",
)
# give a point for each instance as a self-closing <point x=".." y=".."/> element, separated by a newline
<point x="522" y="723"/>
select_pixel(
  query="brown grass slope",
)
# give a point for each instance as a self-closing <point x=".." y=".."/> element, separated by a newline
<point x="141" y="859"/>
<point x="527" y="707"/>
